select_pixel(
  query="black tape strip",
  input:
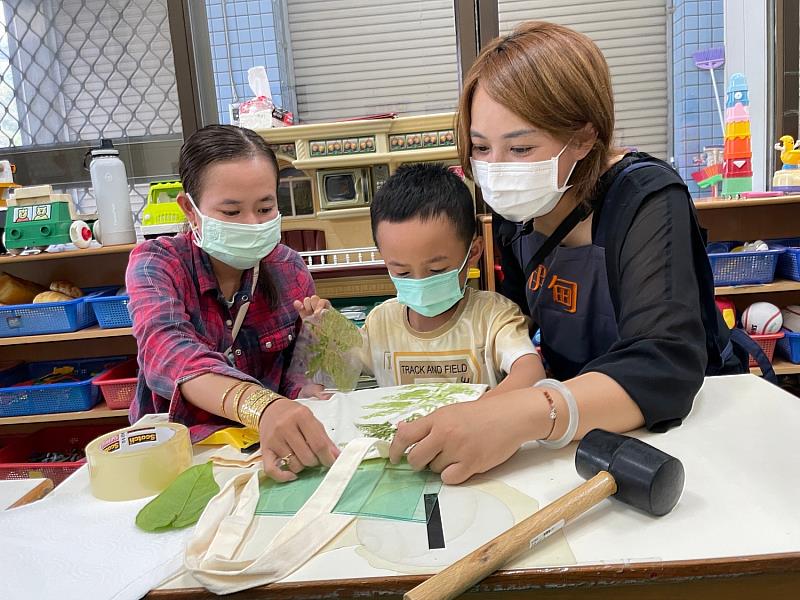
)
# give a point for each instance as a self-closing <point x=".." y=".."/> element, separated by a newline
<point x="434" y="517"/>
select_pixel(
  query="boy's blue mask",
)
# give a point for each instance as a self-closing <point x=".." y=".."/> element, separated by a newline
<point x="431" y="296"/>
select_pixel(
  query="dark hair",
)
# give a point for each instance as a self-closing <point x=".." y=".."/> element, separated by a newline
<point x="217" y="143"/>
<point x="425" y="191"/>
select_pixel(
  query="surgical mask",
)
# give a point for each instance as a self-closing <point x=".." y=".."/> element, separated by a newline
<point x="520" y="191"/>
<point x="239" y="245"/>
<point x="431" y="296"/>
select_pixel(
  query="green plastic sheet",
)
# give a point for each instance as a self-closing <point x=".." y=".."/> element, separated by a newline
<point x="378" y="489"/>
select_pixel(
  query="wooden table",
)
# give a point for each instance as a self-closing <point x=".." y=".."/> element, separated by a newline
<point x="734" y="534"/>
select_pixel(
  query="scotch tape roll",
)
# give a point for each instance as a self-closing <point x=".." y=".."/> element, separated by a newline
<point x="137" y="461"/>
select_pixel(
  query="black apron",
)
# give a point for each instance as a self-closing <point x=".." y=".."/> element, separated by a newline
<point x="568" y="298"/>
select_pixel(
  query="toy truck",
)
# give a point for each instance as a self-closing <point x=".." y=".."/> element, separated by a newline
<point x="38" y="218"/>
<point x="162" y="215"/>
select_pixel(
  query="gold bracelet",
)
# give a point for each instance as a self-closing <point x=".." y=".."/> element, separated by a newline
<point x="237" y="398"/>
<point x="225" y="395"/>
<point x="252" y="408"/>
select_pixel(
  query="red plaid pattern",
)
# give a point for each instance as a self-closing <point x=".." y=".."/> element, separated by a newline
<point x="182" y="326"/>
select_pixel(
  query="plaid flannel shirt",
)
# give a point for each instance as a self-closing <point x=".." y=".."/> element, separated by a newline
<point x="182" y="326"/>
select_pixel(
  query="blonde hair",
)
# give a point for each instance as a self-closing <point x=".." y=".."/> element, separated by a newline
<point x="554" y="78"/>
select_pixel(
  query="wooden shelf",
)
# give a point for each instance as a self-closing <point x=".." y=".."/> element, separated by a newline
<point x="781" y="366"/>
<point x="101" y="411"/>
<point x="62" y="254"/>
<point x="713" y="203"/>
<point x="780" y="285"/>
<point x="89" y="333"/>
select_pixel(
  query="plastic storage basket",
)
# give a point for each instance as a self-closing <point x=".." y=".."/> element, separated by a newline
<point x="9" y="371"/>
<point x="111" y="311"/>
<point x="50" y="317"/>
<point x="742" y="268"/>
<point x="18" y="453"/>
<point x="36" y="399"/>
<point x="118" y="384"/>
<point x="767" y="342"/>
<point x="789" y="346"/>
<point x="788" y="262"/>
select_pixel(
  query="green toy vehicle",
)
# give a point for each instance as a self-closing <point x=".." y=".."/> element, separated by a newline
<point x="38" y="218"/>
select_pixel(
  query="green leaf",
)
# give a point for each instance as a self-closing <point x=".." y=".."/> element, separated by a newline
<point x="333" y="337"/>
<point x="181" y="504"/>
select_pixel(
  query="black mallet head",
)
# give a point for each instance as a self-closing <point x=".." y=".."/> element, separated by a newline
<point x="646" y="477"/>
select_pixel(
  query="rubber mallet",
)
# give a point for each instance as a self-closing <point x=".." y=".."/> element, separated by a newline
<point x="614" y="464"/>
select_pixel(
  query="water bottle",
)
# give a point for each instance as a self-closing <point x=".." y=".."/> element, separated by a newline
<point x="110" y="183"/>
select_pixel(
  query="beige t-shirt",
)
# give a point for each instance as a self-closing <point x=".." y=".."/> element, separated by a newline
<point x="478" y="344"/>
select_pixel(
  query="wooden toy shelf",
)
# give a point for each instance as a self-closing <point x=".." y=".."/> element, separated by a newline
<point x="86" y="268"/>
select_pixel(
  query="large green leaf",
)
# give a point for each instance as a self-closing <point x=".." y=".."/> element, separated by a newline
<point x="181" y="504"/>
<point x="334" y="337"/>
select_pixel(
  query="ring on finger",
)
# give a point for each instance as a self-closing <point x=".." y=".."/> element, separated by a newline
<point x="283" y="463"/>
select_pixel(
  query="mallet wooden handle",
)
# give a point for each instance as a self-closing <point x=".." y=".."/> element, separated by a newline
<point x="484" y="561"/>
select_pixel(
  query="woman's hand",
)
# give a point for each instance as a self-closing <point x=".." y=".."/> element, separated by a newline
<point x="463" y="439"/>
<point x="288" y="430"/>
<point x="312" y="306"/>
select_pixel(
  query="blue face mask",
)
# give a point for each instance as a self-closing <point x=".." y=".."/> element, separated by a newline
<point x="431" y="296"/>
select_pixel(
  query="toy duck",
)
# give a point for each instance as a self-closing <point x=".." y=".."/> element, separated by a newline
<point x="790" y="154"/>
<point x="787" y="178"/>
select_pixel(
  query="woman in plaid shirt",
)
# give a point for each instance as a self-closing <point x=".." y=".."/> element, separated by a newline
<point x="190" y="294"/>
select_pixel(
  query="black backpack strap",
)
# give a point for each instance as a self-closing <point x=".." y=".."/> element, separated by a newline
<point x="619" y="207"/>
<point x="749" y="347"/>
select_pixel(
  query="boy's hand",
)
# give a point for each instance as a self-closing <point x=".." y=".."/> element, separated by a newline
<point x="314" y="390"/>
<point x="312" y="306"/>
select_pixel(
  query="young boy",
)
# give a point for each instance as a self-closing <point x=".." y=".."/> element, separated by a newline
<point x="438" y="329"/>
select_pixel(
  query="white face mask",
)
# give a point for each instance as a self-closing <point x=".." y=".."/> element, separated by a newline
<point x="520" y="191"/>
<point x="239" y="245"/>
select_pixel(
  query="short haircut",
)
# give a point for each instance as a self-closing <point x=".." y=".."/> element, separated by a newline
<point x="552" y="77"/>
<point x="425" y="191"/>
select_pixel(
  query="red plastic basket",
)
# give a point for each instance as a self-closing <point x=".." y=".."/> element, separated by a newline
<point x="767" y="342"/>
<point x="118" y="384"/>
<point x="16" y="454"/>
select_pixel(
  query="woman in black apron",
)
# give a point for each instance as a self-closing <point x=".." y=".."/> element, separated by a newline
<point x="606" y="257"/>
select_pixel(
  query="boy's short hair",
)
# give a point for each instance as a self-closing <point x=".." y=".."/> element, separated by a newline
<point x="425" y="191"/>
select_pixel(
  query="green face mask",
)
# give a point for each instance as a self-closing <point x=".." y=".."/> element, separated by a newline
<point x="433" y="295"/>
<point x="239" y="245"/>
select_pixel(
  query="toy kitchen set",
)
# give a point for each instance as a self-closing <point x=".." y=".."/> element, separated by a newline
<point x="329" y="174"/>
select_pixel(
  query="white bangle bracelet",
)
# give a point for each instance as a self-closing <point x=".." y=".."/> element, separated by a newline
<point x="572" y="406"/>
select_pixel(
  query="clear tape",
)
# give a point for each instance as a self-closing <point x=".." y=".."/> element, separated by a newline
<point x="137" y="461"/>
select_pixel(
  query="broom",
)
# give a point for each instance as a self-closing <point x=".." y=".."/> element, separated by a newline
<point x="708" y="60"/>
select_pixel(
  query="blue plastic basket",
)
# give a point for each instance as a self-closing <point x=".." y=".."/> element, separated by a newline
<point x="789" y="346"/>
<point x="789" y="261"/>
<point x="50" y="317"/>
<point x="54" y="397"/>
<point x="111" y="311"/>
<point x="743" y="268"/>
